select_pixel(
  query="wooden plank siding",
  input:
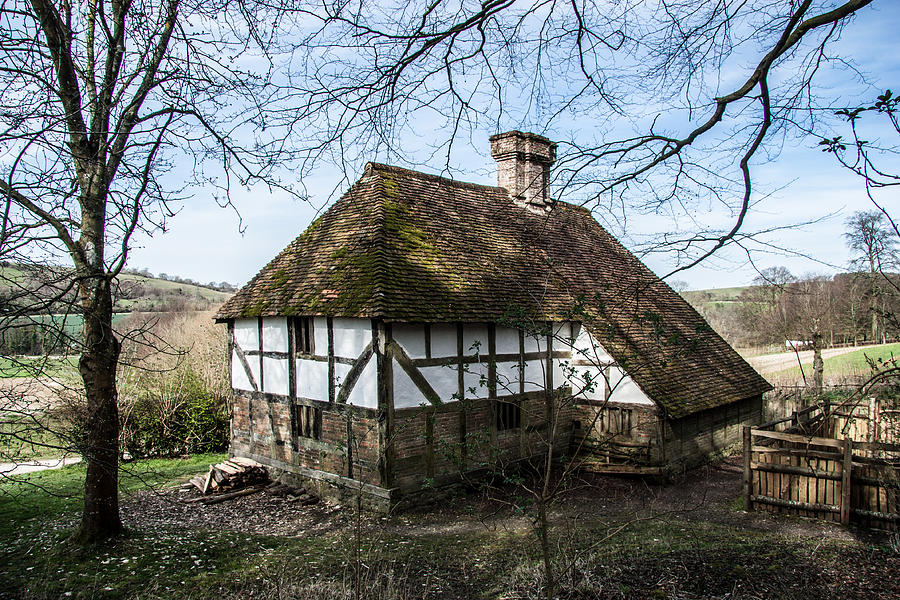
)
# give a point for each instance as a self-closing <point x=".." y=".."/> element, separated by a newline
<point x="639" y="436"/>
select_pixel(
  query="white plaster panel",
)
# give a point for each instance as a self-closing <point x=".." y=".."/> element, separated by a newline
<point x="588" y="382"/>
<point x="239" y="380"/>
<point x="475" y="339"/>
<point x="562" y="332"/>
<point x="312" y="379"/>
<point x="406" y="393"/>
<point x="444" y="380"/>
<point x="587" y="348"/>
<point x="320" y="336"/>
<point x="507" y="378"/>
<point x="534" y="375"/>
<point x="365" y="392"/>
<point x="340" y="376"/>
<point x="624" y="389"/>
<point x="275" y="373"/>
<point x="475" y="381"/>
<point x="246" y="334"/>
<point x="351" y="336"/>
<point x="443" y="340"/>
<point x="411" y="338"/>
<point x="275" y="335"/>
<point x="507" y="340"/>
<point x="535" y="342"/>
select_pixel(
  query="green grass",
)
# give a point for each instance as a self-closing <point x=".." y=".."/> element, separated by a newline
<point x="55" y="492"/>
<point x="38" y="366"/>
<point x="440" y="553"/>
<point x="852" y="364"/>
<point x="26" y="438"/>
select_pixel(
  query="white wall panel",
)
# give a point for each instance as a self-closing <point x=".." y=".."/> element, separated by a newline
<point x="475" y="380"/>
<point x="562" y="334"/>
<point x="507" y="340"/>
<point x="624" y="389"/>
<point x="350" y="337"/>
<point x="275" y="335"/>
<point x="443" y="340"/>
<point x="535" y="342"/>
<point x="534" y="375"/>
<point x="587" y="348"/>
<point x="411" y="338"/>
<point x="275" y="374"/>
<point x="475" y="339"/>
<point x="406" y="394"/>
<point x="312" y="379"/>
<point x="444" y="380"/>
<point x="588" y="382"/>
<point x="320" y="333"/>
<point x="365" y="392"/>
<point x="507" y="378"/>
<point x="239" y="380"/>
<point x="246" y="334"/>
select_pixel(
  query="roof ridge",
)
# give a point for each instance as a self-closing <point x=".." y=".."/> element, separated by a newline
<point x="374" y="166"/>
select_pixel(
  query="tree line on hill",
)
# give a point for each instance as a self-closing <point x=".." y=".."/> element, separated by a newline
<point x="41" y="314"/>
<point x="861" y="306"/>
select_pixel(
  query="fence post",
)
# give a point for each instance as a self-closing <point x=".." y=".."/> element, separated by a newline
<point x="748" y="475"/>
<point x="845" y="480"/>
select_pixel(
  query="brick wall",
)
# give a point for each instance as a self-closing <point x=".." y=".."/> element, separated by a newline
<point x="261" y="428"/>
<point x="423" y="451"/>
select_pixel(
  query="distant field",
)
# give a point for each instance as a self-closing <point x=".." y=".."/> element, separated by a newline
<point x="850" y="365"/>
<point x="34" y="366"/>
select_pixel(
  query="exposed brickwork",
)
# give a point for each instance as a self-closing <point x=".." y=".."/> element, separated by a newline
<point x="485" y="446"/>
<point x="523" y="165"/>
<point x="640" y="436"/>
<point x="329" y="454"/>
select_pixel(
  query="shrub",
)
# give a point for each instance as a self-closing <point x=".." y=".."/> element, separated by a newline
<point x="172" y="390"/>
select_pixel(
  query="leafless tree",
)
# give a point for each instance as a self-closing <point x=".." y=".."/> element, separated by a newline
<point x="109" y="110"/>
<point x="667" y="105"/>
<point x="872" y="239"/>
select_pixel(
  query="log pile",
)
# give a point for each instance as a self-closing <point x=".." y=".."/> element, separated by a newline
<point x="232" y="475"/>
<point x="292" y="494"/>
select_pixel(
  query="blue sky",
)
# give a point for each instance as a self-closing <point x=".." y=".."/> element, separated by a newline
<point x="204" y="242"/>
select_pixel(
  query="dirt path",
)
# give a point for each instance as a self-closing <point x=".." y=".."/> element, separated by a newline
<point x="30" y="466"/>
<point x="770" y="363"/>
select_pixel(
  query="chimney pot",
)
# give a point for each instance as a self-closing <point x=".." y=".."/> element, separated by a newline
<point x="523" y="167"/>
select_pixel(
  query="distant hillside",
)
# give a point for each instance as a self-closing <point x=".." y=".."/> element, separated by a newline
<point x="134" y="292"/>
<point x="714" y="296"/>
<point x="721" y="308"/>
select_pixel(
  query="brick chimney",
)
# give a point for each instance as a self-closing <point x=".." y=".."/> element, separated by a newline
<point x="523" y="167"/>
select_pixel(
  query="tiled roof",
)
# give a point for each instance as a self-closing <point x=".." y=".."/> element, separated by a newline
<point x="406" y="246"/>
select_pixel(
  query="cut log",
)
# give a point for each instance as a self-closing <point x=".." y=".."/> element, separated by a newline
<point x="231" y="495"/>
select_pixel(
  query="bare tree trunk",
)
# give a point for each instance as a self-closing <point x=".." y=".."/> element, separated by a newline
<point x="818" y="364"/>
<point x="544" y="534"/>
<point x="97" y="365"/>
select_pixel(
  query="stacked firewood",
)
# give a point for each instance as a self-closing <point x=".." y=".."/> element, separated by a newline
<point x="292" y="494"/>
<point x="241" y="477"/>
<point x="233" y="474"/>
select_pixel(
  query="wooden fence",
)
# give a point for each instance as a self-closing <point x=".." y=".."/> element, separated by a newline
<point x="800" y="471"/>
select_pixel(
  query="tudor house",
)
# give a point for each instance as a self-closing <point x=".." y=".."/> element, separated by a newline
<point x="414" y="331"/>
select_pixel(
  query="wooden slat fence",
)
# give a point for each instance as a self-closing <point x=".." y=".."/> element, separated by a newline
<point x="801" y="472"/>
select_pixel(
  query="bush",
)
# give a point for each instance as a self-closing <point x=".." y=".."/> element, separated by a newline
<point x="173" y="391"/>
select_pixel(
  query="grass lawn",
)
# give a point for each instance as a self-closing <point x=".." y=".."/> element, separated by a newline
<point x="844" y="366"/>
<point x="447" y="551"/>
<point x="34" y="366"/>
